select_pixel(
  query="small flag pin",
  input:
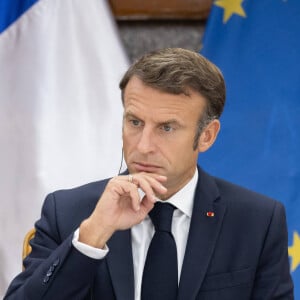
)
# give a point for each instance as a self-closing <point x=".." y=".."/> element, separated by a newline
<point x="210" y="214"/>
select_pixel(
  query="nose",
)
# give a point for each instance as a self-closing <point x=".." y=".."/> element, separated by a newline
<point x="146" y="142"/>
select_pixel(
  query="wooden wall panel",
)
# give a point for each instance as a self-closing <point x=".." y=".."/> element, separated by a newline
<point x="160" y="9"/>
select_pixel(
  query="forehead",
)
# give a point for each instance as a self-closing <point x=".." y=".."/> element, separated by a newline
<point x="140" y="99"/>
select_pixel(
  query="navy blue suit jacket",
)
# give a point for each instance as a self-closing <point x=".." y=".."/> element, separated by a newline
<point x="239" y="254"/>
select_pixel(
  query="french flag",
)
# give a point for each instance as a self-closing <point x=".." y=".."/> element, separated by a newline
<point x="60" y="108"/>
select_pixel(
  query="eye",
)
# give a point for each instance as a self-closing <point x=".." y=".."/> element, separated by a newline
<point x="167" y="128"/>
<point x="135" y="122"/>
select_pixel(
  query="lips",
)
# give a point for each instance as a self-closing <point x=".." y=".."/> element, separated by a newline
<point x="145" y="167"/>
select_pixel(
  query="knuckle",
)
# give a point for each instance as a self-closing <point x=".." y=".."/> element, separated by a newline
<point x="112" y="180"/>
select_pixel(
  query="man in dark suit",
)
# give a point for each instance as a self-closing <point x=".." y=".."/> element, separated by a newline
<point x="92" y="242"/>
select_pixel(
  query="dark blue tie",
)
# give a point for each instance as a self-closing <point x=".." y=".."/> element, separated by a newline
<point x="160" y="276"/>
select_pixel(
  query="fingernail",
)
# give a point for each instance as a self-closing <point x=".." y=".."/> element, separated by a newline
<point x="163" y="187"/>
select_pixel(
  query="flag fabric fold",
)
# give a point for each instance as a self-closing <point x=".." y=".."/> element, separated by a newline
<point x="60" y="110"/>
<point x="256" y="45"/>
<point x="11" y="10"/>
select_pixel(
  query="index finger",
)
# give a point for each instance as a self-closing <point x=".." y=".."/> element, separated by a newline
<point x="150" y="184"/>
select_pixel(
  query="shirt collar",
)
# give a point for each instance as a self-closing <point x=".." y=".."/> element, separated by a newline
<point x="184" y="198"/>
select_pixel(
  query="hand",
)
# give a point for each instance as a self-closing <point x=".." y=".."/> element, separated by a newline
<point x="120" y="206"/>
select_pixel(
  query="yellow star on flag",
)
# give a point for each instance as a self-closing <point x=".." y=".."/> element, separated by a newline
<point x="294" y="252"/>
<point x="231" y="7"/>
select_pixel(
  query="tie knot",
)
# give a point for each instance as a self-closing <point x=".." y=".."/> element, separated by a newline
<point x="161" y="216"/>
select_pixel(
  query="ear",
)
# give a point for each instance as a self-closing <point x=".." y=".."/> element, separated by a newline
<point x="209" y="135"/>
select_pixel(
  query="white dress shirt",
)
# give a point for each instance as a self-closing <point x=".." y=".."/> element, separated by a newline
<point x="141" y="234"/>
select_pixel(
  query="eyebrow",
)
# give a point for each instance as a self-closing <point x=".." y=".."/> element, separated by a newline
<point x="169" y="121"/>
<point x="130" y="114"/>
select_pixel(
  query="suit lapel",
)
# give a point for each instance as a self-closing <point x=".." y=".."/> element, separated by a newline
<point x="120" y="264"/>
<point x="202" y="237"/>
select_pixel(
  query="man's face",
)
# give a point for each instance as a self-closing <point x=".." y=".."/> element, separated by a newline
<point x="158" y="132"/>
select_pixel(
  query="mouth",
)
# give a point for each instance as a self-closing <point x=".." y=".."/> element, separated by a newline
<point x="145" y="167"/>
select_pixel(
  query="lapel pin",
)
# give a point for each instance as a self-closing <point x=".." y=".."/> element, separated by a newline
<point x="210" y="214"/>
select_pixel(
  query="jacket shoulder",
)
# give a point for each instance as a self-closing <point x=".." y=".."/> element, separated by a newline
<point x="236" y="193"/>
<point x="84" y="192"/>
<point x="67" y="208"/>
<point x="249" y="207"/>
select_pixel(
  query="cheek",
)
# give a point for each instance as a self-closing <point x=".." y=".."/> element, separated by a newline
<point x="172" y="152"/>
<point x="183" y="153"/>
<point x="129" y="142"/>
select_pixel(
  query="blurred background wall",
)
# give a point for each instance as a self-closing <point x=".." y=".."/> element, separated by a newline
<point x="149" y="25"/>
<point x="139" y="37"/>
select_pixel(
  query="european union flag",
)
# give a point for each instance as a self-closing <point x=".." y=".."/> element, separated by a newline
<point x="256" y="44"/>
